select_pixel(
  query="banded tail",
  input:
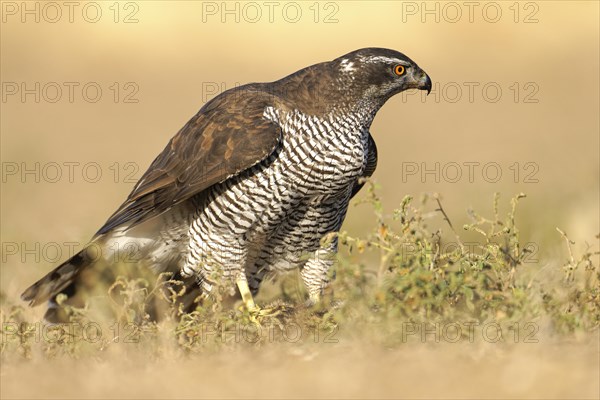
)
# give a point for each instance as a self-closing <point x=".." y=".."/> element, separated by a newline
<point x="58" y="280"/>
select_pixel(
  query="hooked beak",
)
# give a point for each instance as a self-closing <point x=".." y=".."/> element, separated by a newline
<point x="425" y="83"/>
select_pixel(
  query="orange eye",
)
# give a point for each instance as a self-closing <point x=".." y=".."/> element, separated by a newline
<point x="399" y="70"/>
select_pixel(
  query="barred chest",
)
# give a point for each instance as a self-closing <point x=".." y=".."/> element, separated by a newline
<point x="321" y="155"/>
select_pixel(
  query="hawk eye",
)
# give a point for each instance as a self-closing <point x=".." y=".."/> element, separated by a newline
<point x="399" y="70"/>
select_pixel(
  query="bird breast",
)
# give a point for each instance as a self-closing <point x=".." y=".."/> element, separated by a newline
<point x="322" y="154"/>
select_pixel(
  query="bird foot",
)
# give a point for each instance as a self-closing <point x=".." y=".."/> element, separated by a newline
<point x="266" y="312"/>
<point x="256" y="314"/>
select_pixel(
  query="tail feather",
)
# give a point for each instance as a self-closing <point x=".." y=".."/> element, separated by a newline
<point x="56" y="280"/>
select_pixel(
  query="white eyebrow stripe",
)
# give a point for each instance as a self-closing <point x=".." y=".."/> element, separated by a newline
<point x="375" y="59"/>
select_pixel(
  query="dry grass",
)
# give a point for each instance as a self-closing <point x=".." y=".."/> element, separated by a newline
<point x="170" y="54"/>
<point x="347" y="370"/>
<point x="478" y="319"/>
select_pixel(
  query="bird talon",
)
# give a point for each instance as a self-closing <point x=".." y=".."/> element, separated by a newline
<point x="257" y="313"/>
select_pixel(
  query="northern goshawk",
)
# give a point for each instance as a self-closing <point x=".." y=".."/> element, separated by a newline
<point x="254" y="181"/>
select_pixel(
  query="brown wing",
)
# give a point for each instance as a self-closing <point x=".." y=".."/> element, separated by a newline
<point x="228" y="135"/>
<point x="370" y="168"/>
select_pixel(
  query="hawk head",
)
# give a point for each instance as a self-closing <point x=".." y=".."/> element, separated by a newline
<point x="362" y="81"/>
<point x="378" y="74"/>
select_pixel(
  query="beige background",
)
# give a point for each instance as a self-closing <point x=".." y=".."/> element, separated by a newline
<point x="171" y="54"/>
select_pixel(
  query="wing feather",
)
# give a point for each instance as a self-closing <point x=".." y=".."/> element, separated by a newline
<point x="228" y="135"/>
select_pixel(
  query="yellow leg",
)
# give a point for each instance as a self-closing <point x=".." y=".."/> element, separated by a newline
<point x="242" y="285"/>
<point x="314" y="298"/>
<point x="254" y="310"/>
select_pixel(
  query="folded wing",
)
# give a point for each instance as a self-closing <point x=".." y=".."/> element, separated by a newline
<point x="228" y="135"/>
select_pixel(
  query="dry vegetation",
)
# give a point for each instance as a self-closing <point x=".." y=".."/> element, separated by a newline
<point x="403" y="295"/>
<point x="376" y="332"/>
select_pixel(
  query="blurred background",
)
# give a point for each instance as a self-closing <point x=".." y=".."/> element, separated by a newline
<point x="92" y="92"/>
